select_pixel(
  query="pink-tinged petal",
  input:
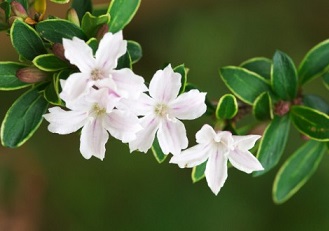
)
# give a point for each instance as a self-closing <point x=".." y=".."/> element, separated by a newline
<point x="144" y="105"/>
<point x="165" y="85"/>
<point x="65" y="122"/>
<point x="172" y="136"/>
<point x="225" y="139"/>
<point x="93" y="139"/>
<point x="144" y="138"/>
<point x="75" y="86"/>
<point x="104" y="98"/>
<point x="191" y="157"/>
<point x="128" y="84"/>
<point x="205" y="135"/>
<point x="110" y="49"/>
<point x="79" y="54"/>
<point x="245" y="143"/>
<point x="189" y="105"/>
<point x="216" y="171"/>
<point x="244" y="161"/>
<point x="122" y="125"/>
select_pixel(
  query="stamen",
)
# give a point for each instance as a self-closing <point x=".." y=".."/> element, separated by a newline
<point x="96" y="74"/>
<point x="161" y="109"/>
<point x="97" y="110"/>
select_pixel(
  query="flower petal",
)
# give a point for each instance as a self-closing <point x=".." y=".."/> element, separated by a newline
<point x="189" y="105"/>
<point x="216" y="171"/>
<point x="205" y="135"/>
<point x="79" y="54"/>
<point x="65" y="122"/>
<point x="244" y="161"/>
<point x="165" y="85"/>
<point x="245" y="143"/>
<point x="144" y="105"/>
<point x="128" y="84"/>
<point x="75" y="86"/>
<point x="144" y="138"/>
<point x="191" y="157"/>
<point x="122" y="125"/>
<point x="93" y="139"/>
<point x="172" y="136"/>
<point x="110" y="49"/>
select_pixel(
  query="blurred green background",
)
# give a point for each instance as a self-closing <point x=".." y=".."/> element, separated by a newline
<point x="48" y="185"/>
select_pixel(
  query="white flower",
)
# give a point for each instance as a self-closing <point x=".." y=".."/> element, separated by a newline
<point x="162" y="111"/>
<point x="96" y="115"/>
<point x="100" y="70"/>
<point x="217" y="148"/>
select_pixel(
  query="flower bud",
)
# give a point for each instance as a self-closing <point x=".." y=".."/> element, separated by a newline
<point x="40" y="7"/>
<point x="31" y="75"/>
<point x="72" y="16"/>
<point x="102" y="31"/>
<point x="18" y="9"/>
<point x="58" y="50"/>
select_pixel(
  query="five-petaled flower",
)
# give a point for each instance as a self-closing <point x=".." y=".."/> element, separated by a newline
<point x="99" y="71"/>
<point x="163" y="109"/>
<point x="216" y="148"/>
<point x="96" y="114"/>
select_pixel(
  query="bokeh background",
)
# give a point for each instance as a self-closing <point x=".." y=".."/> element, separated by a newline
<point x="48" y="185"/>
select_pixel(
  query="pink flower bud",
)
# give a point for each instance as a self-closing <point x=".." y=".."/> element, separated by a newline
<point x="18" y="9"/>
<point x="31" y="75"/>
<point x="58" y="50"/>
<point x="102" y="31"/>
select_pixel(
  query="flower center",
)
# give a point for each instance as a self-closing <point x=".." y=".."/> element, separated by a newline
<point x="161" y="109"/>
<point x="97" y="110"/>
<point x="96" y="74"/>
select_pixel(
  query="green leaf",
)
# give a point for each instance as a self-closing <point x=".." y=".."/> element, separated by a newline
<point x="246" y="85"/>
<point x="182" y="70"/>
<point x="157" y="152"/>
<point x="82" y="7"/>
<point x="26" y="41"/>
<point x="60" y="1"/>
<point x="227" y="107"/>
<point x="262" y="108"/>
<point x="93" y="43"/>
<point x="51" y="92"/>
<point x="100" y="9"/>
<point x="8" y="78"/>
<point x="49" y="62"/>
<point x="311" y="122"/>
<point x="54" y="30"/>
<point x="295" y="172"/>
<point x="211" y="109"/>
<point x="316" y="102"/>
<point x="135" y="51"/>
<point x="124" y="62"/>
<point x="121" y="11"/>
<point x="315" y="62"/>
<point x="326" y="80"/>
<point x="273" y="143"/>
<point x="259" y="65"/>
<point x="23" y="118"/>
<point x="198" y="172"/>
<point x="284" y="76"/>
<point x="90" y="24"/>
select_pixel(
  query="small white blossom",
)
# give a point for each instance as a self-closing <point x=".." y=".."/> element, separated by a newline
<point x="163" y="110"/>
<point x="100" y="70"/>
<point x="96" y="115"/>
<point x="217" y="148"/>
